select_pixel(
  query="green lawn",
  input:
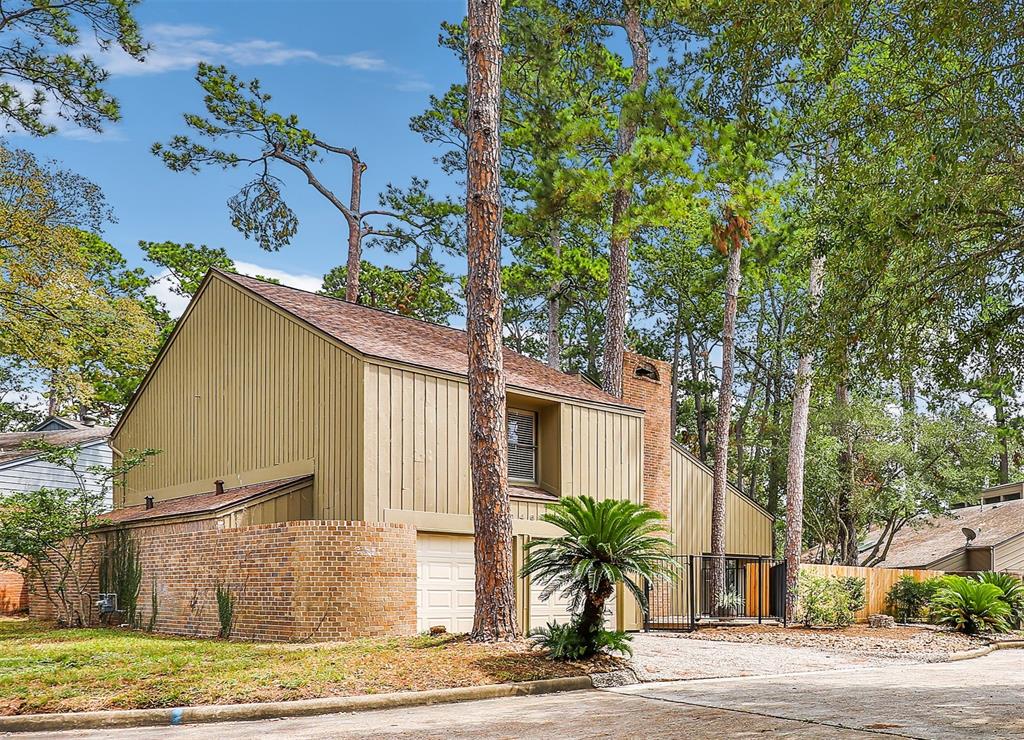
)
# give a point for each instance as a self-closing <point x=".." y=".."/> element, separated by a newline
<point x="52" y="670"/>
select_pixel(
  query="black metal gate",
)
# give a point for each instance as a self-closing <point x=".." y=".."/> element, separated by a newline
<point x="750" y="590"/>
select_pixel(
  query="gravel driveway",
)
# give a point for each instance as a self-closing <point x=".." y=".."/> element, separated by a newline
<point x="666" y="657"/>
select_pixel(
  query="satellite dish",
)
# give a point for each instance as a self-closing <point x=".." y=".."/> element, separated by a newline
<point x="969" y="533"/>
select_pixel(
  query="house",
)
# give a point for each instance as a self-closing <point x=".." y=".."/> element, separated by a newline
<point x="22" y="470"/>
<point x="987" y="536"/>
<point x="315" y="457"/>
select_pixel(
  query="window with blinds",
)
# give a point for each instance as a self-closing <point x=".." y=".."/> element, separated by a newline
<point x="522" y="445"/>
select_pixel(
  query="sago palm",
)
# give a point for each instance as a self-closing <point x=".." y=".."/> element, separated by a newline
<point x="971" y="606"/>
<point x="1013" y="592"/>
<point x="605" y="543"/>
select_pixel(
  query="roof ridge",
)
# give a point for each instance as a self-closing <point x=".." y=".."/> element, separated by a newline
<point x="238" y="278"/>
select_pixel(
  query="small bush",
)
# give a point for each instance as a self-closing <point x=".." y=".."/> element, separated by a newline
<point x="567" y="642"/>
<point x="971" y="606"/>
<point x="827" y="601"/>
<point x="1013" y="593"/>
<point x="909" y="600"/>
<point x="225" y="610"/>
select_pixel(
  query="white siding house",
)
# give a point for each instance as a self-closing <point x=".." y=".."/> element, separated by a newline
<point x="22" y="470"/>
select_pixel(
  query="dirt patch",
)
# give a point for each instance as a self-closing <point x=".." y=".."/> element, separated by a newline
<point x="900" y="642"/>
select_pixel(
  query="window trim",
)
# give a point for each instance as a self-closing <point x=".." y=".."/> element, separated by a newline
<point x="536" y="443"/>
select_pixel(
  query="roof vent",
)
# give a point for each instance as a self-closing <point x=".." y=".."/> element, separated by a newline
<point x="647" y="371"/>
<point x="218" y="486"/>
<point x="149" y="502"/>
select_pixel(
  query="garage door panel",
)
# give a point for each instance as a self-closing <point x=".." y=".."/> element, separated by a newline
<point x="445" y="582"/>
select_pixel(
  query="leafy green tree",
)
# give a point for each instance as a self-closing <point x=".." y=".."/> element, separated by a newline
<point x="44" y="534"/>
<point x="39" y="76"/>
<point x="74" y="319"/>
<point x="606" y="543"/>
<point x="424" y="291"/>
<point x="186" y="264"/>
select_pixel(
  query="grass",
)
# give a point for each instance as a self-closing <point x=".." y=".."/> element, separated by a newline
<point x="43" y="669"/>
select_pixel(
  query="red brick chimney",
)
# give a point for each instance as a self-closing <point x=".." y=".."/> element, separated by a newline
<point x="647" y="384"/>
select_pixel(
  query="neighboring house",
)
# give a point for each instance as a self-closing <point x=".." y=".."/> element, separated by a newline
<point x="337" y="437"/>
<point x="22" y="470"/>
<point x="940" y="543"/>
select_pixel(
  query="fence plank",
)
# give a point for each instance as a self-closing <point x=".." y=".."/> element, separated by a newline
<point x="877" y="582"/>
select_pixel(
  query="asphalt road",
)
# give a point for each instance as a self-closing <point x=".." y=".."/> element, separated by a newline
<point x="980" y="698"/>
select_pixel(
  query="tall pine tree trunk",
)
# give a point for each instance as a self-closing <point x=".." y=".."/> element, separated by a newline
<point x="618" y="253"/>
<point x="847" y="524"/>
<point x="798" y="447"/>
<point x="353" y="263"/>
<point x="555" y="306"/>
<point x="697" y="376"/>
<point x="494" y="616"/>
<point x="721" y="467"/>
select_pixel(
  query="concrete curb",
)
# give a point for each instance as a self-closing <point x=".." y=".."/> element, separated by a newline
<point x="1012" y="644"/>
<point x="277" y="710"/>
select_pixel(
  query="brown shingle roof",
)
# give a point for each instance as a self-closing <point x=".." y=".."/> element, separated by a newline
<point x="200" y="503"/>
<point x="401" y="339"/>
<point x="923" y="542"/>
<point x="11" y="442"/>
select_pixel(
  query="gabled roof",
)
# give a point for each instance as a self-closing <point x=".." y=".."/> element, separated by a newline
<point x="925" y="541"/>
<point x="56" y="423"/>
<point x="201" y="503"/>
<point x="388" y="336"/>
<point x="11" y="442"/>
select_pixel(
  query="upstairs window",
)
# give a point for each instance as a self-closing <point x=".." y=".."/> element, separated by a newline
<point x="522" y="445"/>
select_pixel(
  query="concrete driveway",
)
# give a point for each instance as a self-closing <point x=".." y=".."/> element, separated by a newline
<point x="981" y="698"/>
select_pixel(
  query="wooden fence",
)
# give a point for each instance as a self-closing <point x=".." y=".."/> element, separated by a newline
<point x="877" y="582"/>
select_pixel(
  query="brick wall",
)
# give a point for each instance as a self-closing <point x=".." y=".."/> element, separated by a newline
<point x="13" y="592"/>
<point x="316" y="580"/>
<point x="654" y="395"/>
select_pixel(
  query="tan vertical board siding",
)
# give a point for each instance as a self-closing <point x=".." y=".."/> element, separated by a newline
<point x="288" y="507"/>
<point x="550" y="443"/>
<point x="748" y="528"/>
<point x="601" y="453"/>
<point x="245" y="387"/>
<point x="877" y="582"/>
<point x="416" y="447"/>
<point x="953" y="563"/>
<point x="1009" y="555"/>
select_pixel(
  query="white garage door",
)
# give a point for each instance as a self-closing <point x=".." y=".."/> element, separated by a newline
<point x="445" y="589"/>
<point x="556" y="609"/>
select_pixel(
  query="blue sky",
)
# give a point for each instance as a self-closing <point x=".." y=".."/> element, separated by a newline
<point x="353" y="71"/>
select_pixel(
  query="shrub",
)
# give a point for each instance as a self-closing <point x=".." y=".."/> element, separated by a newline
<point x="827" y="601"/>
<point x="909" y="600"/>
<point x="122" y="574"/>
<point x="856" y="595"/>
<point x="605" y="543"/>
<point x="225" y="610"/>
<point x="568" y="642"/>
<point x="1013" y="593"/>
<point x="971" y="606"/>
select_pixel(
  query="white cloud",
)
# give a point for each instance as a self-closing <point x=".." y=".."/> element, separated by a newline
<point x="414" y="84"/>
<point x="182" y="46"/>
<point x="177" y="47"/>
<point x="311" y="283"/>
<point x="365" y="61"/>
<point x="161" y="290"/>
<point x="176" y="304"/>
